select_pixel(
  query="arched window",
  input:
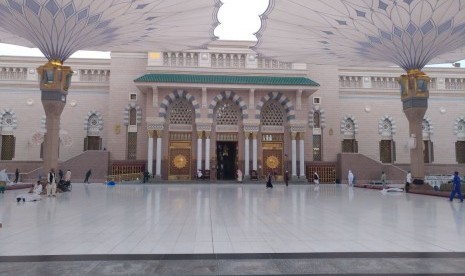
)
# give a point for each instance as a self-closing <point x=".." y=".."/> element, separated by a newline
<point x="8" y="140"/>
<point x="387" y="146"/>
<point x="227" y="113"/>
<point x="94" y="125"/>
<point x="316" y="119"/>
<point x="132" y="135"/>
<point x="348" y="128"/>
<point x="272" y="114"/>
<point x="132" y="117"/>
<point x="181" y="113"/>
<point x="460" y="144"/>
<point x="428" y="152"/>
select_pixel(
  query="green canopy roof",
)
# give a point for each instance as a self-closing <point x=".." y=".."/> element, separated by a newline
<point x="222" y="79"/>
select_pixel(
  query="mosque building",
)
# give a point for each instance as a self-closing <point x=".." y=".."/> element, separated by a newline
<point x="225" y="108"/>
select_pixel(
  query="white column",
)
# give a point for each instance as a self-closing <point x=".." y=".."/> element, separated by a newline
<point x="301" y="152"/>
<point x="294" y="153"/>
<point x="158" y="164"/>
<point x="254" y="151"/>
<point x="150" y="153"/>
<point x="246" y="154"/>
<point x="199" y="151"/>
<point x="207" y="152"/>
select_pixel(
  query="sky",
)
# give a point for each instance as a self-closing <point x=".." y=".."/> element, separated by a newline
<point x="239" y="20"/>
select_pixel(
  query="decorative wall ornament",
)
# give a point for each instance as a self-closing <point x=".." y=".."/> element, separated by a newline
<point x="349" y="126"/>
<point x="37" y="138"/>
<point x="282" y="99"/>
<point x="225" y="95"/>
<point x="387" y="127"/>
<point x="8" y="121"/>
<point x="127" y="109"/>
<point x="170" y="98"/>
<point x="66" y="139"/>
<point x="93" y="123"/>
<point x="312" y="121"/>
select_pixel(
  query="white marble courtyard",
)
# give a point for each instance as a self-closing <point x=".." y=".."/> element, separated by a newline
<point x="228" y="218"/>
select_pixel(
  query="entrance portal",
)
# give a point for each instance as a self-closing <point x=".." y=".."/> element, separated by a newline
<point x="226" y="156"/>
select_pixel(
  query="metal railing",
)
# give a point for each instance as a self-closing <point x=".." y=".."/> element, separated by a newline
<point x="124" y="177"/>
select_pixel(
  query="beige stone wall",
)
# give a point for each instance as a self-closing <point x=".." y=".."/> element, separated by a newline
<point x="125" y="67"/>
<point x="366" y="104"/>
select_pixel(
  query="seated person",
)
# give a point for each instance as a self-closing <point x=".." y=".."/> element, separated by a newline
<point x="239" y="175"/>
<point x="33" y="196"/>
<point x="199" y="174"/>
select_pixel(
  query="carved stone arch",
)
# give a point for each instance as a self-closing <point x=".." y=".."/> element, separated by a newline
<point x="170" y="98"/>
<point x="427" y="128"/>
<point x="8" y="121"/>
<point x="282" y="99"/>
<point x="97" y="122"/>
<point x="349" y="126"/>
<point x="459" y="128"/>
<point x="127" y="110"/>
<point x="225" y="95"/>
<point x="311" y="119"/>
<point x="387" y="127"/>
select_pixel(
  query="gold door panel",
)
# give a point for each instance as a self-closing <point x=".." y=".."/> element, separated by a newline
<point x="273" y="159"/>
<point x="180" y="161"/>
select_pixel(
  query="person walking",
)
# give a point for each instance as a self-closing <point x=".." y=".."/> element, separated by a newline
<point x="316" y="180"/>
<point x="350" y="178"/>
<point x="286" y="178"/>
<point x="88" y="174"/>
<point x="408" y="181"/>
<point x="51" y="183"/>
<point x="268" y="182"/>
<point x="16" y="176"/>
<point x="383" y="180"/>
<point x="456" y="187"/>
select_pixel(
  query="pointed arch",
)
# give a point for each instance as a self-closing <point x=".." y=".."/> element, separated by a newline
<point x="170" y="98"/>
<point x="459" y="127"/>
<point x="427" y="127"/>
<point x="311" y="116"/>
<point x="8" y="121"/>
<point x="98" y="125"/>
<point x="282" y="99"/>
<point x="127" y="110"/>
<point x="349" y="119"/>
<point x="225" y="95"/>
<point x="387" y="127"/>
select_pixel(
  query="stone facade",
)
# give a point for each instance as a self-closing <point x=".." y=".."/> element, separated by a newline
<point x="105" y="89"/>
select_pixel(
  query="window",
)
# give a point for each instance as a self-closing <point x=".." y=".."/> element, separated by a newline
<point x="316" y="100"/>
<point x="133" y="97"/>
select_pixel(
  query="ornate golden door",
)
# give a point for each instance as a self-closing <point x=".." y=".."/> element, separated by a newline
<point x="272" y="150"/>
<point x="180" y="156"/>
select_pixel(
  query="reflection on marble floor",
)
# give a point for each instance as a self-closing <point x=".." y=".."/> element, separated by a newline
<point x="228" y="218"/>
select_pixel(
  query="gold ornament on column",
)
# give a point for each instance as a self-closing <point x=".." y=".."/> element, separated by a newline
<point x="150" y="133"/>
<point x="55" y="77"/>
<point x="414" y="84"/>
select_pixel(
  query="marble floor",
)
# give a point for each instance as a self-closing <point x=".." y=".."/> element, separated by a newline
<point x="228" y="218"/>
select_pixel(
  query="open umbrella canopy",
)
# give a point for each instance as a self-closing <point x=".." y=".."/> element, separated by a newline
<point x="61" y="27"/>
<point x="407" y="33"/>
